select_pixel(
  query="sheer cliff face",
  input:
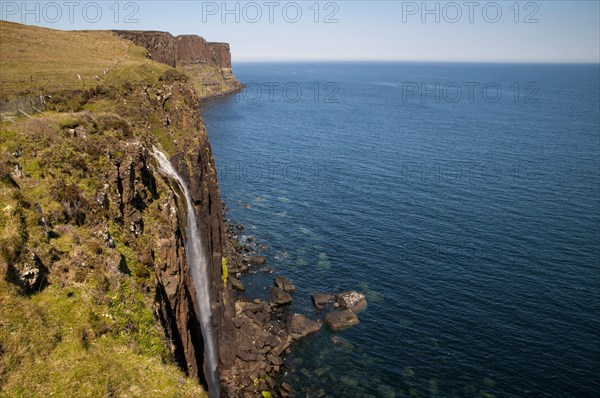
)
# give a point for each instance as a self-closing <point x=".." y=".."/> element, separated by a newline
<point x="192" y="49"/>
<point x="133" y="189"/>
<point x="209" y="64"/>
<point x="176" y="104"/>
<point x="221" y="54"/>
<point x="165" y="48"/>
<point x="161" y="46"/>
<point x="176" y="307"/>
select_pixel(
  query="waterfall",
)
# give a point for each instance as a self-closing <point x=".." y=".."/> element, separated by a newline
<point x="197" y="262"/>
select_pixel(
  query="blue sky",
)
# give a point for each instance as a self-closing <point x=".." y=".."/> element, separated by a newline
<point x="461" y="31"/>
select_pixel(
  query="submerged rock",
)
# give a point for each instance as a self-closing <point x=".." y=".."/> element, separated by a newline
<point x="285" y="390"/>
<point x="351" y="300"/>
<point x="339" y="320"/>
<point x="341" y="343"/>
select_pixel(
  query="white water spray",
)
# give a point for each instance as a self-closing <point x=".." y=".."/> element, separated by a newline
<point x="197" y="262"/>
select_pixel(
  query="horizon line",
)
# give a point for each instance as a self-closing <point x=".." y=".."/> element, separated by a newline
<point x="511" y="62"/>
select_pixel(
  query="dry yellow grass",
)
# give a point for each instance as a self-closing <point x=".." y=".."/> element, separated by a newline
<point x="36" y="60"/>
<point x="31" y="52"/>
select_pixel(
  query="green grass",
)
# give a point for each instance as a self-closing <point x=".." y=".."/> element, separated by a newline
<point x="64" y="343"/>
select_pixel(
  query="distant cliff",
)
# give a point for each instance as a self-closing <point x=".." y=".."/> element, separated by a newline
<point x="209" y="64"/>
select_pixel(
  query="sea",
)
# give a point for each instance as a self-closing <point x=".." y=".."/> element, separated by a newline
<point x="462" y="199"/>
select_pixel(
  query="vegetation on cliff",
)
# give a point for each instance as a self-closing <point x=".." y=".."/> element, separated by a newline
<point x="89" y="232"/>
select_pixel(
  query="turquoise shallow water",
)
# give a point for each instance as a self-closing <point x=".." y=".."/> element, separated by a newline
<point x="471" y="221"/>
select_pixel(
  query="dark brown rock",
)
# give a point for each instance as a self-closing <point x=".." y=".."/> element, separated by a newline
<point x="320" y="300"/>
<point x="237" y="284"/>
<point x="246" y="356"/>
<point x="339" y="320"/>
<point x="300" y="326"/>
<point x="257" y="260"/>
<point x="284" y="284"/>
<point x="285" y="390"/>
<point x="279" y="297"/>
<point x="246" y="345"/>
<point x="259" y="313"/>
<point x="275" y="360"/>
<point x="282" y="346"/>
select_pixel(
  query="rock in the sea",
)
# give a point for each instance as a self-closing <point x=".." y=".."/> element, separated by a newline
<point x="339" y="320"/>
<point x="237" y="284"/>
<point x="341" y="343"/>
<point x="285" y="390"/>
<point x="320" y="300"/>
<point x="351" y="300"/>
<point x="258" y="260"/>
<point x="300" y="326"/>
<point x="284" y="284"/>
<point x="279" y="297"/>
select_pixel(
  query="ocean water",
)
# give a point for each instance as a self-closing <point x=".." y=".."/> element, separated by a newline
<point x="463" y="199"/>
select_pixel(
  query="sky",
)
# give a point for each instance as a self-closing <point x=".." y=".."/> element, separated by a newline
<point x="547" y="31"/>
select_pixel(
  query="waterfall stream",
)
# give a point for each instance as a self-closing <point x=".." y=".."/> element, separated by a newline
<point x="197" y="262"/>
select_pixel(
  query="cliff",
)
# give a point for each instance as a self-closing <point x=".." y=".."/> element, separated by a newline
<point x="209" y="64"/>
<point x="92" y="243"/>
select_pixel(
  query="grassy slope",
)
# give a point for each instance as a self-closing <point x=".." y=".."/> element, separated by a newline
<point x="91" y="332"/>
<point x="46" y="59"/>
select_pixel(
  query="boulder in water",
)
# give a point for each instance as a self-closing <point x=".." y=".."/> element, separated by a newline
<point x="320" y="300"/>
<point x="284" y="284"/>
<point x="237" y="284"/>
<point x="279" y="297"/>
<point x="300" y="326"/>
<point x="258" y="260"/>
<point x="339" y="320"/>
<point x="351" y="300"/>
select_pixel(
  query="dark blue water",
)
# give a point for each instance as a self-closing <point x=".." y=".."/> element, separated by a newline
<point x="470" y="220"/>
